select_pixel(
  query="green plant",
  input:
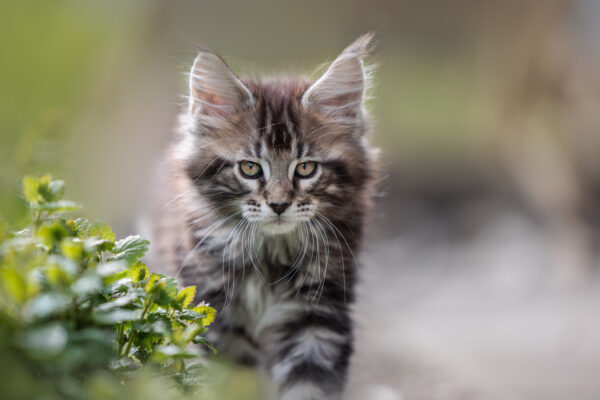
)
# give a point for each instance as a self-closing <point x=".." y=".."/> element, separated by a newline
<point x="82" y="317"/>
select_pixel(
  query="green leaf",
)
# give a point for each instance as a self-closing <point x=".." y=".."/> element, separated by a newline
<point x="186" y="296"/>
<point x="45" y="194"/>
<point x="170" y="285"/>
<point x="131" y="248"/>
<point x="125" y="363"/>
<point x="189" y="333"/>
<point x="60" y="271"/>
<point x="160" y="326"/>
<point x="119" y="302"/>
<point x="57" y="206"/>
<point x="56" y="190"/>
<point x="52" y="233"/>
<point x="46" y="305"/>
<point x="79" y="225"/>
<point x="116" y="316"/>
<point x="154" y="284"/>
<point x="44" y="342"/>
<point x="208" y="312"/>
<point x="30" y="189"/>
<point x="138" y="272"/>
<point x="162" y="353"/>
<point x="72" y="248"/>
<point x="205" y="342"/>
<point x="110" y="268"/>
<point x="101" y="230"/>
<point x="93" y="245"/>
<point x="14" y="284"/>
<point x="87" y="284"/>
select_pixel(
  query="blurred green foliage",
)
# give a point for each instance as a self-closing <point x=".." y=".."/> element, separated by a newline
<point x="82" y="317"/>
<point x="49" y="50"/>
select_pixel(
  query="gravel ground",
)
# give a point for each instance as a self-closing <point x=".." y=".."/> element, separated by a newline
<point x="444" y="315"/>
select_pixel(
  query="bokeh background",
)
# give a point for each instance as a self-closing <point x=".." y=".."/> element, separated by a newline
<point x="481" y="266"/>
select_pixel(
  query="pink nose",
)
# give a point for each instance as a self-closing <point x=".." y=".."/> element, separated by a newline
<point x="279" y="208"/>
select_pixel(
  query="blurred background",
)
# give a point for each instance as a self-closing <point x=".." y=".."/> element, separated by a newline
<point x="481" y="277"/>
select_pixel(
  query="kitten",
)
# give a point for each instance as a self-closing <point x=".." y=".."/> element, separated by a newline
<point x="267" y="190"/>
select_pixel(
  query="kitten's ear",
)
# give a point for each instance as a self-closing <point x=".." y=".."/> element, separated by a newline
<point x="340" y="92"/>
<point x="215" y="92"/>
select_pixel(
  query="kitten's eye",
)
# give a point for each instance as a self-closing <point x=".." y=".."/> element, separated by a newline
<point x="250" y="169"/>
<point x="306" y="169"/>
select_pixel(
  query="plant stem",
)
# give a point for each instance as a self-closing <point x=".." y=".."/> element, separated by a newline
<point x="132" y="334"/>
<point x="120" y="329"/>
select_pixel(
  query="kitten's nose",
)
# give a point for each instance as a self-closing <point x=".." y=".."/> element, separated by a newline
<point x="279" y="208"/>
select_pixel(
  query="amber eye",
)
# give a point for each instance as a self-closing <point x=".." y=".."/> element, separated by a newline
<point x="306" y="169"/>
<point x="250" y="169"/>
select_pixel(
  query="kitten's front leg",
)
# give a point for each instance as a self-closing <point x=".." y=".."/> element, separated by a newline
<point x="308" y="349"/>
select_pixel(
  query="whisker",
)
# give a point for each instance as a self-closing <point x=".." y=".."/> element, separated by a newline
<point x="321" y="286"/>
<point x="312" y="252"/>
<point x="227" y="284"/>
<point x="212" y="228"/>
<point x="294" y="268"/>
<point x="330" y="225"/>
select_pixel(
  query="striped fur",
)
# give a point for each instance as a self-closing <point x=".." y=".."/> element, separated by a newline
<point x="283" y="284"/>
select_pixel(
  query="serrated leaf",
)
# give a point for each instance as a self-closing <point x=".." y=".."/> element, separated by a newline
<point x="110" y="268"/>
<point x="154" y="284"/>
<point x="208" y="312"/>
<point x="138" y="272"/>
<point x="170" y="285"/>
<point x="93" y="245"/>
<point x="119" y="302"/>
<point x="160" y="326"/>
<point x="186" y="296"/>
<point x="101" y="230"/>
<point x="116" y="316"/>
<point x="80" y="225"/>
<point x="131" y="248"/>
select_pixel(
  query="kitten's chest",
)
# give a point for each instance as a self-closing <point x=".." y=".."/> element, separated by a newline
<point x="250" y="303"/>
<point x="261" y="283"/>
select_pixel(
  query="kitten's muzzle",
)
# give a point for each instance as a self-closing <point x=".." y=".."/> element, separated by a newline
<point x="279" y="208"/>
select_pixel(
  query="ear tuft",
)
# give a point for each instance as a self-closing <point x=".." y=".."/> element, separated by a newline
<point x="340" y="92"/>
<point x="214" y="90"/>
<point x="361" y="47"/>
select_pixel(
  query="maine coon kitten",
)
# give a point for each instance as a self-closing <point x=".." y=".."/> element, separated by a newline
<point x="265" y="198"/>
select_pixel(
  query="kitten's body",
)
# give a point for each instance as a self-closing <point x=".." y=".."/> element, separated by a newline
<point x="273" y="252"/>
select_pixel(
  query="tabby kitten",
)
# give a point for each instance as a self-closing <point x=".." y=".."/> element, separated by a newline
<point x="266" y="193"/>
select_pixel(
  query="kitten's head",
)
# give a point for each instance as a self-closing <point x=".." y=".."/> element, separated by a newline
<point x="282" y="151"/>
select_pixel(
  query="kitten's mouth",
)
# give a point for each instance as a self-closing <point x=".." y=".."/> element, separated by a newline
<point x="278" y="225"/>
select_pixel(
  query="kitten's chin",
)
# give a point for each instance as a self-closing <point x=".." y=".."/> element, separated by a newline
<point x="278" y="227"/>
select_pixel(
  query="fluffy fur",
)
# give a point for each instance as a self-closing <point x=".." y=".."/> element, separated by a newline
<point x="274" y="253"/>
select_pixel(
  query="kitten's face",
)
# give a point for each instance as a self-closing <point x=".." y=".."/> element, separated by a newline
<point x="278" y="153"/>
<point x="282" y="189"/>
